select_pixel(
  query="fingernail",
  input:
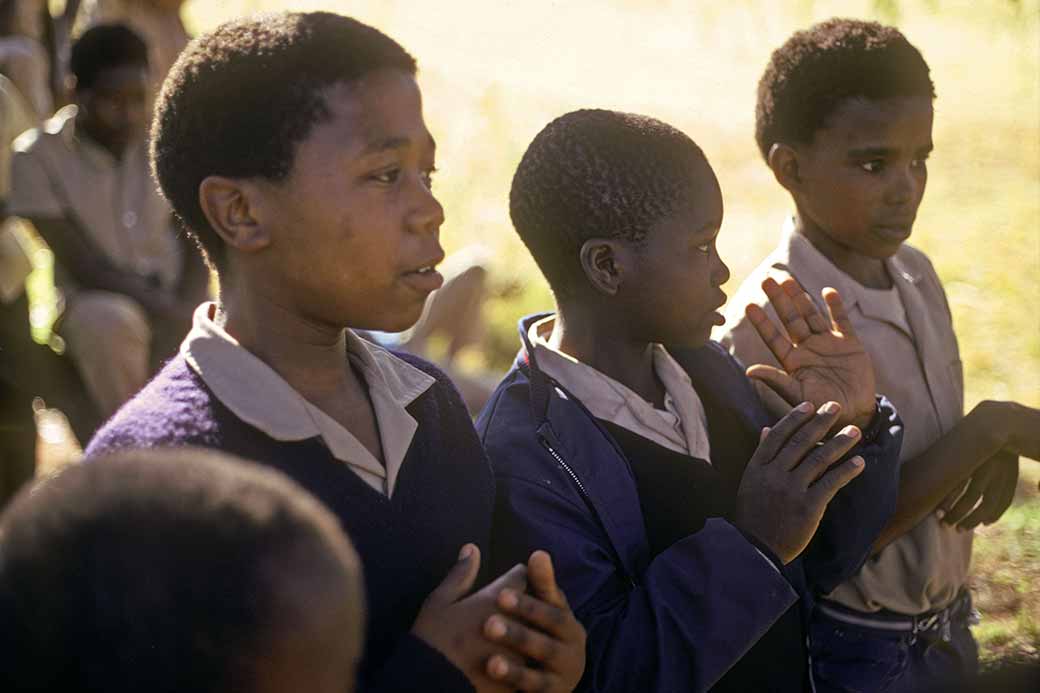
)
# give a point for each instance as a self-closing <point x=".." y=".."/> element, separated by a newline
<point x="508" y="599"/>
<point x="498" y="666"/>
<point x="829" y="408"/>
<point x="940" y="513"/>
<point x="804" y="407"/>
<point x="466" y="552"/>
<point x="850" y="432"/>
<point x="858" y="462"/>
<point x="496" y="627"/>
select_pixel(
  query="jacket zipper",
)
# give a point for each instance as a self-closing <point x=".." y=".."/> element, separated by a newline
<point x="585" y="496"/>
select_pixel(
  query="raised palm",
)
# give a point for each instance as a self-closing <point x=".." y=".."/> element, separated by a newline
<point x="821" y="360"/>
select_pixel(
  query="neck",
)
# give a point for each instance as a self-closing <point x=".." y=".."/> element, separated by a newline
<point x="310" y="356"/>
<point x="116" y="149"/>
<point x="868" y="271"/>
<point x="604" y="345"/>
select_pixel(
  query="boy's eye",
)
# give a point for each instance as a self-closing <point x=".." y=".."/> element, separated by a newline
<point x="919" y="163"/>
<point x="388" y="177"/>
<point x="874" y="166"/>
<point x="427" y="177"/>
<point x="705" y="247"/>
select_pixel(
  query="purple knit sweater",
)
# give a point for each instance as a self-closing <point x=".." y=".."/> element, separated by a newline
<point x="443" y="498"/>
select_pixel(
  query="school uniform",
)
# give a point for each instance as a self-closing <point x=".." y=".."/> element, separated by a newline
<point x="903" y="619"/>
<point x="57" y="174"/>
<point x="634" y="503"/>
<point x="407" y="518"/>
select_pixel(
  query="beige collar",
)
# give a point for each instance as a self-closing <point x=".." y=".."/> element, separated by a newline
<point x="815" y="272"/>
<point x="681" y="427"/>
<point x="260" y="397"/>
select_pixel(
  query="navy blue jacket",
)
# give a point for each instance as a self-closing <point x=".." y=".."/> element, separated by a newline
<point x="678" y="620"/>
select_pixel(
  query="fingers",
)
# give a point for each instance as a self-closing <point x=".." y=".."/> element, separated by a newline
<point x="836" y="308"/>
<point x="554" y="620"/>
<point x="838" y="477"/>
<point x="966" y="503"/>
<point x="807" y="435"/>
<point x="820" y="460"/>
<point x="780" y="297"/>
<point x="522" y="639"/>
<point x="459" y="580"/>
<point x="512" y="670"/>
<point x="776" y="340"/>
<point x="999" y="493"/>
<point x="806" y="308"/>
<point x="786" y="387"/>
<point x="542" y="579"/>
<point x="775" y="437"/>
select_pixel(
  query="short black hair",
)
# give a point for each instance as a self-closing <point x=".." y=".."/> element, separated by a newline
<point x="597" y="174"/>
<point x="105" y="47"/>
<point x="239" y="100"/>
<point x="156" y="571"/>
<point x="818" y="69"/>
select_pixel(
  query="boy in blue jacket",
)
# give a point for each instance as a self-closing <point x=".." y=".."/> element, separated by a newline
<point x="674" y="504"/>
<point x="294" y="149"/>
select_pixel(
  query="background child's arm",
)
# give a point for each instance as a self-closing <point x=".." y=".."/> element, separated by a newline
<point x="925" y="481"/>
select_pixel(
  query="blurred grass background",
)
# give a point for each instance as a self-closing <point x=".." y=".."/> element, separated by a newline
<point x="494" y="73"/>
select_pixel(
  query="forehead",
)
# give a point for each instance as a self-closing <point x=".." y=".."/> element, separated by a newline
<point x="381" y="111"/>
<point x="859" y="122"/>
<point x="121" y="78"/>
<point x="699" y="208"/>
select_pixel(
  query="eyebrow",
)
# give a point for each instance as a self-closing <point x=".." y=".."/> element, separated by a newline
<point x="393" y="142"/>
<point x="868" y="152"/>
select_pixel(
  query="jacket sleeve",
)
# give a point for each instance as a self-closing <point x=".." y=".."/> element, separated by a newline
<point x="858" y="513"/>
<point x="678" y="624"/>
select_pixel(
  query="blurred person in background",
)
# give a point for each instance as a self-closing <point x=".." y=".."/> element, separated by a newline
<point x="176" y="570"/>
<point x="24" y="58"/>
<point x="82" y="179"/>
<point x="157" y="21"/>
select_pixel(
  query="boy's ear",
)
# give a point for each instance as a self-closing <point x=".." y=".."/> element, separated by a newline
<point x="603" y="262"/>
<point x="783" y="160"/>
<point x="230" y="209"/>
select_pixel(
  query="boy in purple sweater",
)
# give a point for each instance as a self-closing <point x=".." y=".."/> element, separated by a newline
<point x="293" y="148"/>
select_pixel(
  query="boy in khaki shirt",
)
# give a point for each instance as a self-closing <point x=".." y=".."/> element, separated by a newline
<point x="82" y="179"/>
<point x="844" y="120"/>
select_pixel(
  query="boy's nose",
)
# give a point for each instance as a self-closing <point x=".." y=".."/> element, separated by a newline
<point x="428" y="214"/>
<point x="903" y="189"/>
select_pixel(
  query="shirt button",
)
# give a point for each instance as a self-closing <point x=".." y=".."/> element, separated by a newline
<point x="130" y="219"/>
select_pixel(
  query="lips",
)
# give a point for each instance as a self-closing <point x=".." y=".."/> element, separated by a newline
<point x="425" y="278"/>
<point x="895" y="230"/>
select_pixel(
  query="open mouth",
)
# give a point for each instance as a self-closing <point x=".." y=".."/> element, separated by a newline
<point x="424" y="279"/>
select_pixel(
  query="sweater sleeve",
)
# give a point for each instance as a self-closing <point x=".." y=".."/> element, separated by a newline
<point x="679" y="623"/>
<point x="415" y="666"/>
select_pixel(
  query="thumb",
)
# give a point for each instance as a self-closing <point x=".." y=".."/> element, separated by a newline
<point x="778" y="381"/>
<point x="542" y="578"/>
<point x="459" y="579"/>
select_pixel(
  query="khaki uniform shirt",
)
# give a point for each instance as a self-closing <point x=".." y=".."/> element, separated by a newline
<point x="257" y="395"/>
<point x="682" y="426"/>
<point x="15" y="117"/>
<point x="56" y="174"/>
<point x="918" y="367"/>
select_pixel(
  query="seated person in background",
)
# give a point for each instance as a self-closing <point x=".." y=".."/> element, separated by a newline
<point x="636" y="451"/>
<point x="82" y="179"/>
<point x="176" y="570"/>
<point x="157" y="21"/>
<point x="294" y="148"/>
<point x="844" y="120"/>
<point x="23" y="57"/>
